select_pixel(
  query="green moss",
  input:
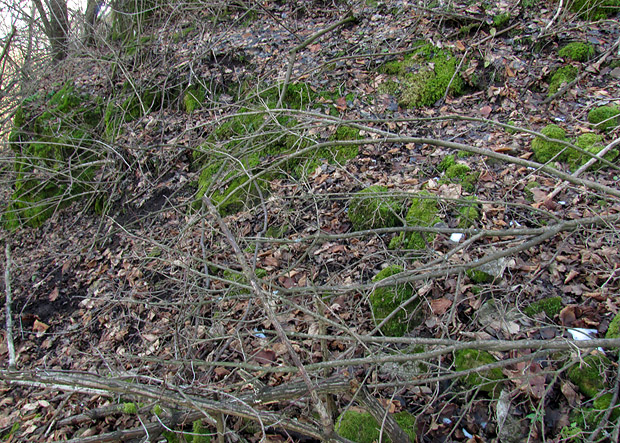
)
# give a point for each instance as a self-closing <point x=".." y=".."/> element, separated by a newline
<point x="423" y="76"/>
<point x="571" y="434"/>
<point x="613" y="330"/>
<point x="528" y="189"/>
<point x="338" y="154"/>
<point x="422" y="212"/>
<point x="487" y="381"/>
<point x="386" y="299"/>
<point x="468" y="212"/>
<point x="589" y="374"/>
<point x="562" y="76"/>
<point x="157" y="410"/>
<point x="52" y="137"/>
<point x="604" y="117"/>
<point x="130" y="408"/>
<point x="447" y="162"/>
<point x="371" y="208"/>
<point x="460" y="173"/>
<point x="361" y="427"/>
<point x="545" y="150"/>
<point x="591" y="143"/>
<point x="594" y="9"/>
<point x="193" y="98"/>
<point x="501" y="20"/>
<point x="479" y="277"/>
<point x="200" y="433"/>
<point x="577" y="51"/>
<point x="550" y="306"/>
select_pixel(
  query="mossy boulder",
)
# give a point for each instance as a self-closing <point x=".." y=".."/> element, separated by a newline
<point x="592" y="143"/>
<point x="386" y="299"/>
<point x="422" y="212"/>
<point x="361" y="427"/>
<point x="423" y="77"/>
<point x="52" y="139"/>
<point x="589" y="375"/>
<point x="373" y="208"/>
<point x="545" y="150"/>
<point x="562" y="76"/>
<point x="604" y="117"/>
<point x="577" y="51"/>
<point x="613" y="330"/>
<point x="488" y="380"/>
<point x="550" y="306"/>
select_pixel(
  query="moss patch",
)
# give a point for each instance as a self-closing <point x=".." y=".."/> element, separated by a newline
<point x="52" y="138"/>
<point x="613" y="330"/>
<point x="193" y="98"/>
<point x="577" y="51"/>
<point x="468" y="213"/>
<point x="361" y="427"/>
<point x="550" y="306"/>
<point x="604" y="117"/>
<point x="590" y="142"/>
<point x="372" y="208"/>
<point x="386" y="299"/>
<point x="422" y="212"/>
<point x="562" y="76"/>
<point x="589" y="374"/>
<point x="487" y="381"/>
<point x="545" y="150"/>
<point x="422" y="77"/>
<point x="594" y="9"/>
<point x="250" y="141"/>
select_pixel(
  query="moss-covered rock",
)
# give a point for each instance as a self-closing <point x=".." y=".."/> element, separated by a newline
<point x="361" y="427"/>
<point x="577" y="51"/>
<point x="589" y="375"/>
<point x="604" y="117"/>
<point x="562" y="76"/>
<point x="545" y="150"/>
<point x="550" y="306"/>
<point x="385" y="300"/>
<point x="423" y="76"/>
<point x="422" y="212"/>
<point x="52" y="139"/>
<point x="373" y="208"/>
<point x="613" y="330"/>
<point x="487" y="381"/>
<point x="589" y="142"/>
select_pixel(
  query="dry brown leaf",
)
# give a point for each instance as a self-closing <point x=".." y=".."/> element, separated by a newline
<point x="440" y="306"/>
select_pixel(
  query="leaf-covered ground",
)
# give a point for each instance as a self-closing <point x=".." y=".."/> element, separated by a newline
<point x="152" y="292"/>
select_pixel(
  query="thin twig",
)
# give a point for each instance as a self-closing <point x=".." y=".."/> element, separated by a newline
<point x="8" y="302"/>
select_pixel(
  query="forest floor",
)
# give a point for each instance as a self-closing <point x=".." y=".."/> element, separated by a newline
<point x="153" y="294"/>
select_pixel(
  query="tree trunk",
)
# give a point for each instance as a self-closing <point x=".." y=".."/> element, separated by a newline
<point x="56" y="24"/>
<point x="90" y="17"/>
<point x="59" y="27"/>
